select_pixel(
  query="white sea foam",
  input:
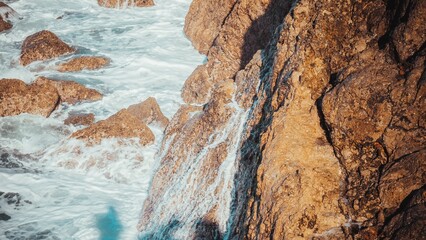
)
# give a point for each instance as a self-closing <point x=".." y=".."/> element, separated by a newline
<point x="81" y="192"/>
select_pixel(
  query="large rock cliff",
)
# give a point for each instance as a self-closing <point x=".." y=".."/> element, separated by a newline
<point x="312" y="124"/>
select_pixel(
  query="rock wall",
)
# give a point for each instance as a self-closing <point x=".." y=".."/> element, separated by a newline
<point x="322" y="108"/>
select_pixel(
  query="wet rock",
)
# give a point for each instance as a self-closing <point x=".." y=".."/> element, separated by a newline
<point x="6" y="13"/>
<point x="16" y="97"/>
<point x="120" y="125"/>
<point x="333" y="143"/>
<point x="8" y="161"/>
<point x="30" y="231"/>
<point x="80" y="119"/>
<point x="83" y="63"/>
<point x="69" y="91"/>
<point x="41" y="46"/>
<point x="126" y="3"/>
<point x="4" y="25"/>
<point x="4" y="217"/>
<point x="14" y="199"/>
<point x="149" y="112"/>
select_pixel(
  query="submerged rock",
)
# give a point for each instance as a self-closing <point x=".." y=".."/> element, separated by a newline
<point x="83" y="63"/>
<point x="41" y="46"/>
<point x="126" y="3"/>
<point x="120" y="125"/>
<point x="4" y="217"/>
<point x="149" y="112"/>
<point x="80" y="119"/>
<point x="16" y="97"/>
<point x="69" y="91"/>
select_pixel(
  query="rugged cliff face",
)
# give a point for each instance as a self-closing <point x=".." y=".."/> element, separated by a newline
<point x="312" y="124"/>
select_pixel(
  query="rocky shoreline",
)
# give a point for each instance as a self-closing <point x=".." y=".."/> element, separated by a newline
<point x="333" y="146"/>
<point x="306" y="121"/>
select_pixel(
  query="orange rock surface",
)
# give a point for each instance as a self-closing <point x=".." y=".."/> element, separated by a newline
<point x="41" y="46"/>
<point x="83" y="63"/>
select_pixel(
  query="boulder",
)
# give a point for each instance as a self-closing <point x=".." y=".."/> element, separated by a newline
<point x="125" y="3"/>
<point x="149" y="112"/>
<point x="41" y="46"/>
<point x="4" y="25"/>
<point x="16" y="97"/>
<point x="85" y="119"/>
<point x="69" y="91"/>
<point x="120" y="125"/>
<point x="82" y="63"/>
<point x="6" y="13"/>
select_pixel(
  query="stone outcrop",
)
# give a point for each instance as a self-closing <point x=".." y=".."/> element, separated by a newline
<point x="130" y="122"/>
<point x="6" y="13"/>
<point x="42" y="46"/>
<point x="126" y="3"/>
<point x="80" y="119"/>
<point x="16" y="97"/>
<point x="120" y="125"/>
<point x="71" y="92"/>
<point x="149" y="112"/>
<point x="332" y="134"/>
<point x="83" y="63"/>
<point x="42" y="96"/>
<point x="229" y="49"/>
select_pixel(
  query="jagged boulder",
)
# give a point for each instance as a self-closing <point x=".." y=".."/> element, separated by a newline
<point x="120" y="125"/>
<point x="69" y="91"/>
<point x="126" y="3"/>
<point x="16" y="97"/>
<point x="83" y="63"/>
<point x="80" y="119"/>
<point x="43" y="45"/>
<point x="149" y="112"/>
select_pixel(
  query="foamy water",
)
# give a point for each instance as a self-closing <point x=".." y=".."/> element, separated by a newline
<point x="80" y="192"/>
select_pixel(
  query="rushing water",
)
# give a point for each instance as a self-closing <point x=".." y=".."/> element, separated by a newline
<point x="100" y="197"/>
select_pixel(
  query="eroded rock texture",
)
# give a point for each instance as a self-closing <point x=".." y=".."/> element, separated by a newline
<point x="80" y="119"/>
<point x="41" y="46"/>
<point x="71" y="92"/>
<point x="316" y="108"/>
<point x="149" y="112"/>
<point x="120" y="125"/>
<point x="16" y="97"/>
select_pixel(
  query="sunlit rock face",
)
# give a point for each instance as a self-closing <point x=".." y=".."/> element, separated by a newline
<point x="41" y="46"/>
<point x="126" y="3"/>
<point x="312" y="124"/>
<point x="130" y="122"/>
<point x="69" y="91"/>
<point x="149" y="112"/>
<point x="120" y="125"/>
<point x="16" y="97"/>
<point x="42" y="96"/>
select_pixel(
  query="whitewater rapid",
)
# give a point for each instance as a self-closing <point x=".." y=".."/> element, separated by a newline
<point x="150" y="57"/>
